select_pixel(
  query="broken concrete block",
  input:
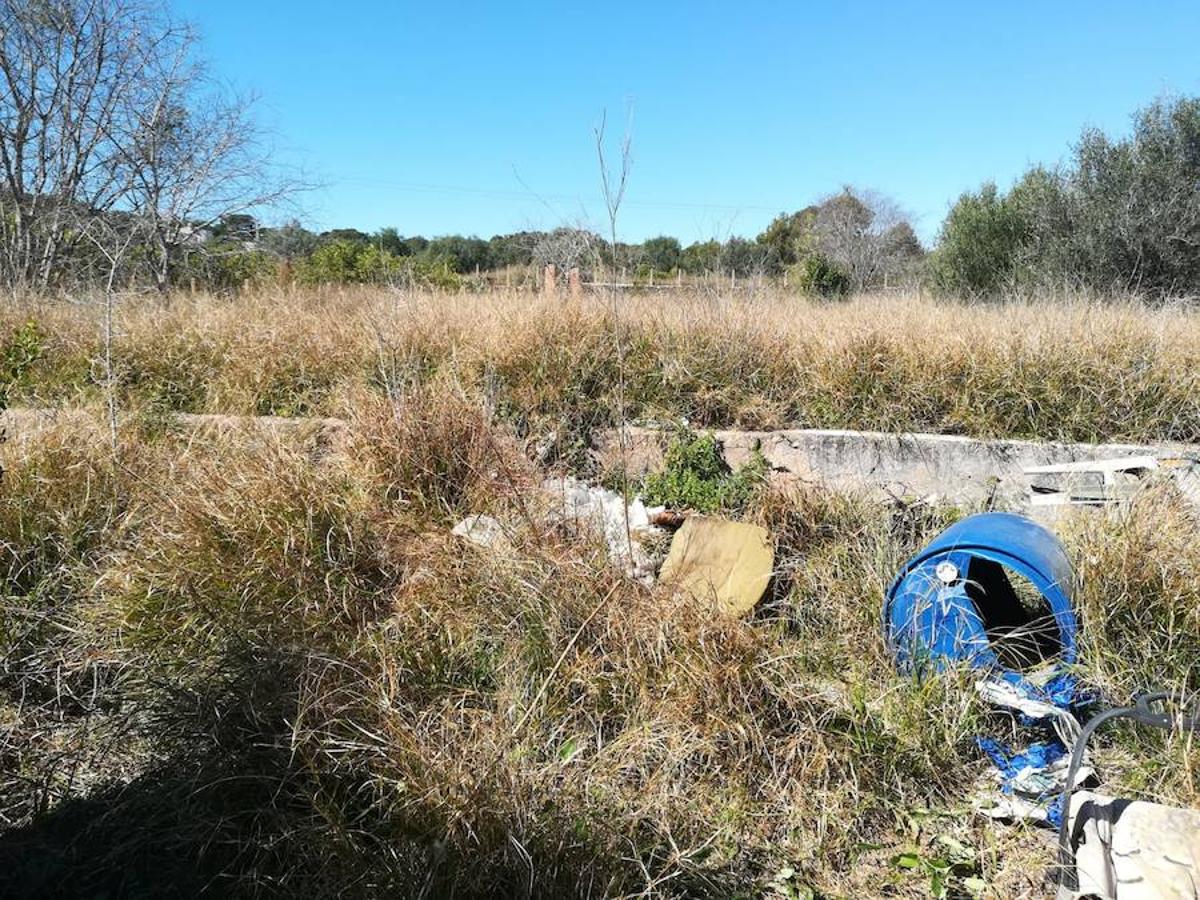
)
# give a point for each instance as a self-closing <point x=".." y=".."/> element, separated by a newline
<point x="1132" y="850"/>
<point x="722" y="561"/>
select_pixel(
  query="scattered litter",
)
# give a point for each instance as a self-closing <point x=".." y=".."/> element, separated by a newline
<point x="1026" y="780"/>
<point x="715" y="559"/>
<point x="1104" y="482"/>
<point x="481" y="530"/>
<point x="993" y="591"/>
<point x="624" y="526"/>
<point x="546" y="448"/>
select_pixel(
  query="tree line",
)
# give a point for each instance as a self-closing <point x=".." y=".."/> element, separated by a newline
<point x="852" y="240"/>
<point x="117" y="147"/>
<point x="124" y="162"/>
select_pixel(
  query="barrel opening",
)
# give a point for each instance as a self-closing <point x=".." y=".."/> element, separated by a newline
<point x="1017" y="617"/>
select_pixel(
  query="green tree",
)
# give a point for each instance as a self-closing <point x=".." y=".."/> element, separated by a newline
<point x="290" y="241"/>
<point x="979" y="243"/>
<point x="742" y="257"/>
<point x="701" y="257"/>
<point x="661" y="254"/>
<point x="818" y="275"/>
<point x="465" y="254"/>
<point x="389" y="239"/>
<point x="334" y="262"/>
<point x="789" y="237"/>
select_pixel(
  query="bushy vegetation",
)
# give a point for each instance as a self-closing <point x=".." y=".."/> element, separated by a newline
<point x="696" y="477"/>
<point x="1121" y="214"/>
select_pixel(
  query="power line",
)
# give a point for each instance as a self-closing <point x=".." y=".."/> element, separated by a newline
<point x="420" y="187"/>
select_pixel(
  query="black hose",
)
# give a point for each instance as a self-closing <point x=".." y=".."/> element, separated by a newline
<point x="1140" y="712"/>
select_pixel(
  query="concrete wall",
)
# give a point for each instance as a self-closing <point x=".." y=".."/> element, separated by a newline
<point x="960" y="470"/>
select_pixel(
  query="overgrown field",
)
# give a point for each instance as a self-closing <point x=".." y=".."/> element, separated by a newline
<point x="246" y="661"/>
<point x="1068" y="368"/>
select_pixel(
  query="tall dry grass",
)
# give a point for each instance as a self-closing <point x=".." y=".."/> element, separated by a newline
<point x="1069" y="367"/>
<point x="240" y="665"/>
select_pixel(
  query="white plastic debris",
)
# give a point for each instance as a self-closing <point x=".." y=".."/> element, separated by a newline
<point x="1103" y="482"/>
<point x="481" y="530"/>
<point x="605" y="513"/>
<point x="1024" y="786"/>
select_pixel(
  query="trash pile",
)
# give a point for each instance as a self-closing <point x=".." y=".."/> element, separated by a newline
<point x="714" y="560"/>
<point x="993" y="592"/>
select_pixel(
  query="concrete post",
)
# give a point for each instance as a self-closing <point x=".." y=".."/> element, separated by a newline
<point x="550" y="280"/>
<point x="574" y="283"/>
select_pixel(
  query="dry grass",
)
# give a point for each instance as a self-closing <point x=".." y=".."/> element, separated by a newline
<point x="238" y="663"/>
<point x="1070" y="368"/>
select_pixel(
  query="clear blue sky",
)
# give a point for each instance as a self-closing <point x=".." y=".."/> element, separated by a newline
<point x="477" y="118"/>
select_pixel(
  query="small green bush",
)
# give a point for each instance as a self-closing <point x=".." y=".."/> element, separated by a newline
<point x="820" y="276"/>
<point x="22" y="350"/>
<point x="696" y="476"/>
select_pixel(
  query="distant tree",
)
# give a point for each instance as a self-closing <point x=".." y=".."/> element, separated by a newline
<point x="743" y="257"/>
<point x="333" y="262"/>
<point x="1137" y="201"/>
<point x="567" y="248"/>
<point x="465" y="254"/>
<point x="513" y="249"/>
<point x="193" y="156"/>
<point x="979" y="244"/>
<point x="865" y="235"/>
<point x="290" y="241"/>
<point x="236" y="227"/>
<point x="389" y="239"/>
<point x="901" y="241"/>
<point x="351" y="235"/>
<point x="661" y="254"/>
<point x="701" y="257"/>
<point x="789" y="237"/>
<point x="1121" y="213"/>
<point x="1049" y="251"/>
<point x="415" y="245"/>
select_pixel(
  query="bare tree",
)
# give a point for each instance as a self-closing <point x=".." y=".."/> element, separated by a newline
<point x="104" y="109"/>
<point x="65" y="67"/>
<point x="195" y="157"/>
<point x="862" y="232"/>
<point x="565" y="248"/>
<point x="614" y="182"/>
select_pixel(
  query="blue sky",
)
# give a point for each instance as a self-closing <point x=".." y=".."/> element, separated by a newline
<point x="477" y="118"/>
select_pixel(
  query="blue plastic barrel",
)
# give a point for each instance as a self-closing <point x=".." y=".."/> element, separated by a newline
<point x="954" y="602"/>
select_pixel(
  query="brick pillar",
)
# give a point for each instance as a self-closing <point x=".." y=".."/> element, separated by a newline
<point x="575" y="283"/>
<point x="550" y="280"/>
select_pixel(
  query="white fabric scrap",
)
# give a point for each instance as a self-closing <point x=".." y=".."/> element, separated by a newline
<point x="481" y="530"/>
